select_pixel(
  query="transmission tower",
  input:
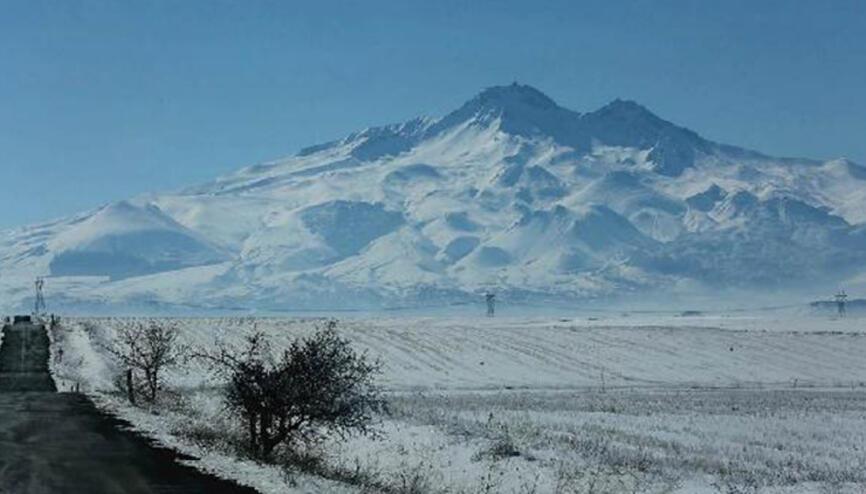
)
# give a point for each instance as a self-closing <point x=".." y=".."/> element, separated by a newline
<point x="841" y="299"/>
<point x="490" y="298"/>
<point x="39" y="305"/>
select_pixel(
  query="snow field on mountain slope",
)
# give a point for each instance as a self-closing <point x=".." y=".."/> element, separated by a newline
<point x="544" y="202"/>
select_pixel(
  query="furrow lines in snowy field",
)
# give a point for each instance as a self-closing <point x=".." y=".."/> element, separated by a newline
<point x="517" y="405"/>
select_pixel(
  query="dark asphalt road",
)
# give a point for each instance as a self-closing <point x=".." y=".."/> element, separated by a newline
<point x="60" y="443"/>
<point x="24" y="359"/>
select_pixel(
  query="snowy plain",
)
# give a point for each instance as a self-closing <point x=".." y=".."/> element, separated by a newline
<point x="746" y="402"/>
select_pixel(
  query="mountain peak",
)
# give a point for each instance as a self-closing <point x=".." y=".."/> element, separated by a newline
<point x="627" y="110"/>
<point x="518" y="109"/>
<point x="514" y="95"/>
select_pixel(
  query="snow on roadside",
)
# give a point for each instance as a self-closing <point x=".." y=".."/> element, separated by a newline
<point x="74" y="362"/>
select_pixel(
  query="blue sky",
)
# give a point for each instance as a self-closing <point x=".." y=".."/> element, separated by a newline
<point x="104" y="100"/>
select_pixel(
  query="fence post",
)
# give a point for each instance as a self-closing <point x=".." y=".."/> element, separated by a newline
<point x="130" y="391"/>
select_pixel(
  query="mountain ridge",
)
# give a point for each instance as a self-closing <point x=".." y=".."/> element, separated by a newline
<point x="509" y="192"/>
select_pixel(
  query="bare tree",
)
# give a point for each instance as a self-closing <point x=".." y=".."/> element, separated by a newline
<point x="145" y="350"/>
<point x="319" y="384"/>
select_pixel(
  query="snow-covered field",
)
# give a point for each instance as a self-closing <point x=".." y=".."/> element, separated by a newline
<point x="712" y="403"/>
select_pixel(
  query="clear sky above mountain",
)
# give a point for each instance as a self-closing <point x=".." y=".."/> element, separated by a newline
<point x="103" y="100"/>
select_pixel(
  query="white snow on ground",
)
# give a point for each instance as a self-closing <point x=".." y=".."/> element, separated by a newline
<point x="641" y="403"/>
<point x="162" y="427"/>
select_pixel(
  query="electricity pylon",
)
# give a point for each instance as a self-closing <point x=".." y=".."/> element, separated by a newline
<point x="841" y="299"/>
<point x="490" y="298"/>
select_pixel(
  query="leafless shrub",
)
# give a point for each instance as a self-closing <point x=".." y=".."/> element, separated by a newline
<point x="504" y="444"/>
<point x="318" y="385"/>
<point x="145" y="350"/>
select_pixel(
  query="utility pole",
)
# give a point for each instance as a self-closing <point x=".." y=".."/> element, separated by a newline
<point x="490" y="298"/>
<point x="39" y="305"/>
<point x="841" y="299"/>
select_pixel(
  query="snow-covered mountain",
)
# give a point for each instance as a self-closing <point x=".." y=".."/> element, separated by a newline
<point x="510" y="192"/>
